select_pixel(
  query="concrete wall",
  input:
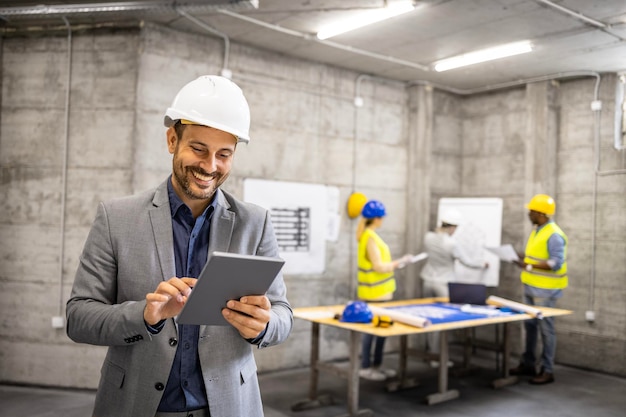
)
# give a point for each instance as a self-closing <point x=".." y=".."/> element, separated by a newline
<point x="407" y="146"/>
<point x="596" y="227"/>
<point x="34" y="284"/>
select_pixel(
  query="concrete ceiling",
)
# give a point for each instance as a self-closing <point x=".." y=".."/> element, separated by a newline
<point x="569" y="36"/>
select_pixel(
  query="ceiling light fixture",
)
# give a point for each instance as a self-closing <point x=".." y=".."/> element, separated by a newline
<point x="484" y="55"/>
<point x="366" y="18"/>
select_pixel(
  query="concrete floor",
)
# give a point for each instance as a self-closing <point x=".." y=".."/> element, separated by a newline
<point x="575" y="393"/>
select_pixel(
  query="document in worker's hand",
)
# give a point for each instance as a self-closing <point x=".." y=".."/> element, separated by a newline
<point x="419" y="257"/>
<point x="413" y="259"/>
<point x="505" y="252"/>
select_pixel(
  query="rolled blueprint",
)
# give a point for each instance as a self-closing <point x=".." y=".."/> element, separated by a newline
<point x="503" y="302"/>
<point x="400" y="317"/>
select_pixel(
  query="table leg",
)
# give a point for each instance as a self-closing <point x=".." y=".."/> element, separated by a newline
<point x="352" y="375"/>
<point x="507" y="350"/>
<point x="403" y="382"/>
<point x="467" y="347"/>
<point x="353" y="378"/>
<point x="507" y="379"/>
<point x="444" y="393"/>
<point x="498" y="350"/>
<point x="404" y="352"/>
<point x="315" y="355"/>
<point x="314" y="400"/>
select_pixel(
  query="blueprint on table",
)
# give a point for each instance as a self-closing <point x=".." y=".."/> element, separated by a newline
<point x="446" y="313"/>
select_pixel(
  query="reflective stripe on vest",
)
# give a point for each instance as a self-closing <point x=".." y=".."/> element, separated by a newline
<point x="372" y="284"/>
<point x="536" y="251"/>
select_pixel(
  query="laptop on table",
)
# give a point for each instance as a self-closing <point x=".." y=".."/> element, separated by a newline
<point x="463" y="293"/>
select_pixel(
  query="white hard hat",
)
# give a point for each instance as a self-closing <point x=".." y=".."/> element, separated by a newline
<point x="452" y="217"/>
<point x="214" y="101"/>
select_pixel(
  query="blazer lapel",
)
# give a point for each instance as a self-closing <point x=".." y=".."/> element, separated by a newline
<point x="161" y="219"/>
<point x="222" y="224"/>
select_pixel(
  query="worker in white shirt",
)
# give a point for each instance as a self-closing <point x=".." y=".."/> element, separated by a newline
<point x="443" y="251"/>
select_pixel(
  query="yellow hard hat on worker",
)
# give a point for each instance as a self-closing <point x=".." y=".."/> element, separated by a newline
<point x="542" y="203"/>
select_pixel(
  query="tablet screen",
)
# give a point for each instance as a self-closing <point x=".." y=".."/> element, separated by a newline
<point x="227" y="276"/>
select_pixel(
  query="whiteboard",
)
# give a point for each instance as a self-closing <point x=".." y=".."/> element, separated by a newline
<point x="303" y="216"/>
<point x="481" y="226"/>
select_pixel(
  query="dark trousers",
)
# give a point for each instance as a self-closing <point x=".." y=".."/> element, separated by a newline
<point x="366" y="351"/>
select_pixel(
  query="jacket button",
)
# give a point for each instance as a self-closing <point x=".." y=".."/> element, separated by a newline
<point x="173" y="342"/>
<point x="159" y="386"/>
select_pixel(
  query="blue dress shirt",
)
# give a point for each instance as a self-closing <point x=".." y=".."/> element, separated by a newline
<point x="185" y="387"/>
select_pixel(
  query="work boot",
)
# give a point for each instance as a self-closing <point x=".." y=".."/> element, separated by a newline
<point x="435" y="364"/>
<point x="389" y="373"/>
<point x="372" y="374"/>
<point x="522" y="369"/>
<point x="542" y="378"/>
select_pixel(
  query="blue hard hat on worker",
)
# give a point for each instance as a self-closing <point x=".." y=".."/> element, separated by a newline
<point x="357" y="312"/>
<point x="373" y="209"/>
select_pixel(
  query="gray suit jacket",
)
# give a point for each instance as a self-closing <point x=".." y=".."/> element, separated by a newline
<point x="129" y="250"/>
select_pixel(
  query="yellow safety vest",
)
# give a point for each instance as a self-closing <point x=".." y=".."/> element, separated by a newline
<point x="537" y="250"/>
<point x="372" y="284"/>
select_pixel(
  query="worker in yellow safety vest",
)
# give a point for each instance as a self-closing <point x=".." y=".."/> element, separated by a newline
<point x="544" y="275"/>
<point x="376" y="282"/>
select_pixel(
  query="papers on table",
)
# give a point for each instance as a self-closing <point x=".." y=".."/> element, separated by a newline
<point x="411" y="320"/>
<point x="505" y="252"/>
<point x="503" y="302"/>
<point x="486" y="310"/>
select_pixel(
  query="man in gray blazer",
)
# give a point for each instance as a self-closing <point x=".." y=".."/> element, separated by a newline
<point x="139" y="264"/>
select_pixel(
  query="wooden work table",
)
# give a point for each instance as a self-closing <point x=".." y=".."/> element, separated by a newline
<point x="324" y="315"/>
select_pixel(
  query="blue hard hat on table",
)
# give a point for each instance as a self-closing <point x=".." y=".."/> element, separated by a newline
<point x="372" y="209"/>
<point x="357" y="312"/>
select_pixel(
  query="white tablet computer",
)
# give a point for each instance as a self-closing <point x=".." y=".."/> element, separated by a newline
<point x="227" y="276"/>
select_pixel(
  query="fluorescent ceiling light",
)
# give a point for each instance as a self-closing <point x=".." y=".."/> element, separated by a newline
<point x="484" y="55"/>
<point x="366" y="18"/>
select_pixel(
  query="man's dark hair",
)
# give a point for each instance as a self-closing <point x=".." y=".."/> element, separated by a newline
<point x="179" y="128"/>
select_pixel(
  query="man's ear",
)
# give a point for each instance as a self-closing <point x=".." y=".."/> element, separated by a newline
<point x="172" y="139"/>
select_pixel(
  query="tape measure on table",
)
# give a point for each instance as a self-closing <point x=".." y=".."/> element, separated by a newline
<point x="382" y="321"/>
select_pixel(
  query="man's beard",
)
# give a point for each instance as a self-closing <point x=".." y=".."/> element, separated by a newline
<point x="183" y="175"/>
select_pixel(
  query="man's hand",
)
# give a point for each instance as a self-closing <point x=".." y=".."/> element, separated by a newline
<point x="168" y="299"/>
<point x="249" y="315"/>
